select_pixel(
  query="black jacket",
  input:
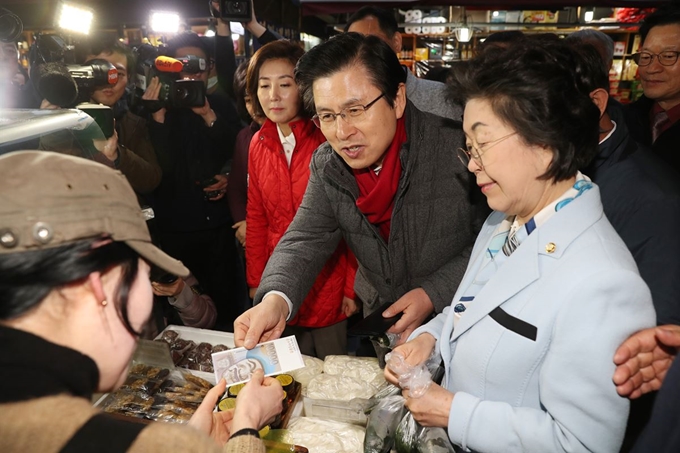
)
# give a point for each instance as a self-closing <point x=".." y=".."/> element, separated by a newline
<point x="641" y="199"/>
<point x="667" y="145"/>
<point x="190" y="152"/>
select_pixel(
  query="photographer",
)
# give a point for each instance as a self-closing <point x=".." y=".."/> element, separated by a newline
<point x="129" y="148"/>
<point x="15" y="92"/>
<point x="187" y="299"/>
<point x="225" y="58"/>
<point x="192" y="145"/>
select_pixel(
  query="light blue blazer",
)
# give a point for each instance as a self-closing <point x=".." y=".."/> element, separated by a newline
<point x="574" y="286"/>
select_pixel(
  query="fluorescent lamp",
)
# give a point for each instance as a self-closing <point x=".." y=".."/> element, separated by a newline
<point x="464" y="34"/>
<point x="74" y="18"/>
<point x="589" y="15"/>
<point x="164" y="22"/>
<point x="495" y="14"/>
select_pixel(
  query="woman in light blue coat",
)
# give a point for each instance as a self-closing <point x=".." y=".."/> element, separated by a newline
<point x="550" y="290"/>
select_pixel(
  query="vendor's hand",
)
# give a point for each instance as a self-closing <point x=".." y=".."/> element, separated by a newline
<point x="264" y="322"/>
<point x="220" y="187"/>
<point x="415" y="352"/>
<point x="108" y="147"/>
<point x="45" y="105"/>
<point x="258" y="403"/>
<point x="168" y="289"/>
<point x="215" y="424"/>
<point x="644" y="359"/>
<point x="240" y="233"/>
<point x="349" y="306"/>
<point x="431" y="409"/>
<point x="416" y="306"/>
<point x="152" y="93"/>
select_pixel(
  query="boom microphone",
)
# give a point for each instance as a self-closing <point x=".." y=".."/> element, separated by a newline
<point x="190" y="64"/>
<point x="168" y="64"/>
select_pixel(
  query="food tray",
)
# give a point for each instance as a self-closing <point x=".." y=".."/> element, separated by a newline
<point x="196" y="335"/>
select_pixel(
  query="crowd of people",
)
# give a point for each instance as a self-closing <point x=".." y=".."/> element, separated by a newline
<point x="517" y="219"/>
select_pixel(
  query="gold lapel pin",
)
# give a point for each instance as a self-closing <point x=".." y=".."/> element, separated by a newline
<point x="550" y="247"/>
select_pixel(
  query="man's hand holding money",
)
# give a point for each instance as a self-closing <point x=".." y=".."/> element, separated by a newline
<point x="264" y="322"/>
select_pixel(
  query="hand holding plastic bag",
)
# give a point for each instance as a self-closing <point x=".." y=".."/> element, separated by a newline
<point x="416" y="379"/>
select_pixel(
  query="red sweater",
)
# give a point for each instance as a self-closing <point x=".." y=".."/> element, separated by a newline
<point x="275" y="192"/>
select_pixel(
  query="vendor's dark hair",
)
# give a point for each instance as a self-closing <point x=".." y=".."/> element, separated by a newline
<point x="26" y="278"/>
<point x="275" y="50"/>
<point x="668" y="14"/>
<point x="533" y="87"/>
<point x="186" y="39"/>
<point x="386" y="20"/>
<point x="347" y="50"/>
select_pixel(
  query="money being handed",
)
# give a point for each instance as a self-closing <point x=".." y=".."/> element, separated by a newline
<point x="274" y="357"/>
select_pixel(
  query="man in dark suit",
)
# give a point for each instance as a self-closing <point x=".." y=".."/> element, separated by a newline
<point x="654" y="120"/>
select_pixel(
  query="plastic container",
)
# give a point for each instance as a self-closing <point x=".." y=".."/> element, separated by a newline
<point x="198" y="336"/>
<point x="352" y="411"/>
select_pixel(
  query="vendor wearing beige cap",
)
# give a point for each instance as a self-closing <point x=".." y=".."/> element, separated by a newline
<point x="75" y="295"/>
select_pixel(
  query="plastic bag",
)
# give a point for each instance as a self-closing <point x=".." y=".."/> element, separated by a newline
<point x="412" y="437"/>
<point x="417" y="379"/>
<point x="434" y="440"/>
<point x="406" y="436"/>
<point x="382" y="424"/>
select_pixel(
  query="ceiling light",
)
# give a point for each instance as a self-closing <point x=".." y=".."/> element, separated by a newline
<point x="164" y="22"/>
<point x="74" y="18"/>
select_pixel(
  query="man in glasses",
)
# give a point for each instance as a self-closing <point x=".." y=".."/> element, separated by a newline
<point x="387" y="181"/>
<point x="653" y="119"/>
<point x="426" y="95"/>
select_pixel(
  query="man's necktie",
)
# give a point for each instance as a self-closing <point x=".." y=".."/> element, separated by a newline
<point x="658" y="123"/>
<point x="511" y="243"/>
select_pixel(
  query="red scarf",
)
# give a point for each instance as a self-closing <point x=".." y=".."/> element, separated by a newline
<point x="377" y="192"/>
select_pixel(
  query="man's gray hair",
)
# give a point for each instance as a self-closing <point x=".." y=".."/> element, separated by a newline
<point x="602" y="42"/>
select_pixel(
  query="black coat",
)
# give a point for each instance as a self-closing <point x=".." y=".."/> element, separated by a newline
<point x="667" y="145"/>
<point x="641" y="199"/>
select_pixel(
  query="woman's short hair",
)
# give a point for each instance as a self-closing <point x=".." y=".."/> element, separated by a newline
<point x="533" y="87"/>
<point x="344" y="51"/>
<point x="240" y="91"/>
<point x="26" y="278"/>
<point x="276" y="50"/>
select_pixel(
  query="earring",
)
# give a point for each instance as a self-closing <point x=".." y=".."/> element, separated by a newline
<point x="104" y="303"/>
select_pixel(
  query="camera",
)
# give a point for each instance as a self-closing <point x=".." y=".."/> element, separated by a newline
<point x="174" y="92"/>
<point x="58" y="79"/>
<point x="10" y="26"/>
<point x="207" y="183"/>
<point x="237" y="11"/>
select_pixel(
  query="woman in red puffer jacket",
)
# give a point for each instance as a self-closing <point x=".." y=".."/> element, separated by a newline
<point x="278" y="172"/>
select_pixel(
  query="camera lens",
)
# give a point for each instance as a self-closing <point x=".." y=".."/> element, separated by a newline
<point x="10" y="26"/>
<point x="181" y="92"/>
<point x="236" y="7"/>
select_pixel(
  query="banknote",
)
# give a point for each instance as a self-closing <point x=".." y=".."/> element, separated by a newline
<point x="274" y="357"/>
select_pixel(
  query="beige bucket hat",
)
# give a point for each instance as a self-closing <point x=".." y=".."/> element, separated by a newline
<point x="49" y="199"/>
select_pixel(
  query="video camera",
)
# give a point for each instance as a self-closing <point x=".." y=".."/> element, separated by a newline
<point x="11" y="26"/>
<point x="175" y="92"/>
<point x="233" y="10"/>
<point x="58" y="79"/>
